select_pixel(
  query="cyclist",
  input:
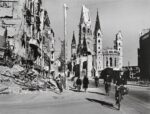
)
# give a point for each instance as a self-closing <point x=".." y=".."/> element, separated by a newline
<point x="107" y="82"/>
<point x="120" y="82"/>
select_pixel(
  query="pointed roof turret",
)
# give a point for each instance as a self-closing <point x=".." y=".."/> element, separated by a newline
<point x="73" y="39"/>
<point x="97" y="24"/>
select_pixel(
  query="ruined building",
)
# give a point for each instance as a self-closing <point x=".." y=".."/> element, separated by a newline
<point x="29" y="33"/>
<point x="9" y="27"/>
<point x="38" y="36"/>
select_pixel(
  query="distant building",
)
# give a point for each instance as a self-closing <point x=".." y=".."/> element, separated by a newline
<point x="108" y="57"/>
<point x="85" y="45"/>
<point x="144" y="55"/>
<point x="133" y="71"/>
<point x="90" y="52"/>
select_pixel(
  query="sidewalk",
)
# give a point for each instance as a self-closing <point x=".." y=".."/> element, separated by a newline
<point x="137" y="84"/>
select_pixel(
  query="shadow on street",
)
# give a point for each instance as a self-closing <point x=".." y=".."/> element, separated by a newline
<point x="75" y="90"/>
<point x="97" y="93"/>
<point x="103" y="103"/>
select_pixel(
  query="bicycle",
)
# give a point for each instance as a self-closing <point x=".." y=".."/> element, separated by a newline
<point x="118" y="98"/>
<point x="120" y="91"/>
<point x="107" y="88"/>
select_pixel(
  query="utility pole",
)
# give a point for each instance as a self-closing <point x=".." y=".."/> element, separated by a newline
<point x="65" y="33"/>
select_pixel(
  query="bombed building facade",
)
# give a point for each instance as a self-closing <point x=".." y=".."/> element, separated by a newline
<point x="25" y="28"/>
<point x="90" y="54"/>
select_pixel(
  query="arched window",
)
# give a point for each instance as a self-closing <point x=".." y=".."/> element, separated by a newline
<point x="88" y="30"/>
<point x="110" y="61"/>
<point x="84" y="29"/>
<point x="99" y="41"/>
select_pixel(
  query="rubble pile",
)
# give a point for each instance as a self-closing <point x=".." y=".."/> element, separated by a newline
<point x="17" y="79"/>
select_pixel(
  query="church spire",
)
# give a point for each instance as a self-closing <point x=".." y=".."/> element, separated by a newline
<point x="97" y="24"/>
<point x="85" y="16"/>
<point x="73" y="39"/>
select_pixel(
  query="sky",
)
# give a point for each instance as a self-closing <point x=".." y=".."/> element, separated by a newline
<point x="129" y="16"/>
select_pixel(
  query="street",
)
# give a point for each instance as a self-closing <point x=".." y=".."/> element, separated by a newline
<point x="94" y="101"/>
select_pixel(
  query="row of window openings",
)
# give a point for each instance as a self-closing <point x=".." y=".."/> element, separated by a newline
<point x="111" y="61"/>
<point x="109" y="51"/>
<point x="99" y="67"/>
<point x="88" y="30"/>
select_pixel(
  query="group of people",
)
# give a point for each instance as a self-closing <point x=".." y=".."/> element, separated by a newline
<point x="79" y="82"/>
<point x="120" y="80"/>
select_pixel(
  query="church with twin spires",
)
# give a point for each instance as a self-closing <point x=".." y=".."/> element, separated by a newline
<point x="89" y="53"/>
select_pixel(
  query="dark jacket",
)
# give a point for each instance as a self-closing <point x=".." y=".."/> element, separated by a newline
<point x="120" y="81"/>
<point x="108" y="78"/>
<point x="78" y="81"/>
<point x="85" y="82"/>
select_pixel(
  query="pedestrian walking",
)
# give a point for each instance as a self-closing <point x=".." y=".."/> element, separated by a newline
<point x="74" y="82"/>
<point x="59" y="83"/>
<point x="64" y="81"/>
<point x="85" y="83"/>
<point x="96" y="81"/>
<point x="78" y="83"/>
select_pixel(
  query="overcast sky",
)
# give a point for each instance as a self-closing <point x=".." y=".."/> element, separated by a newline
<point x="129" y="16"/>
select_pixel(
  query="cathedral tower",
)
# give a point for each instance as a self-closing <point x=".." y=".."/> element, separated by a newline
<point x="84" y="29"/>
<point x="118" y="45"/>
<point x="98" y="49"/>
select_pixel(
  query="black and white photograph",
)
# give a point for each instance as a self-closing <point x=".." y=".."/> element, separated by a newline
<point x="74" y="56"/>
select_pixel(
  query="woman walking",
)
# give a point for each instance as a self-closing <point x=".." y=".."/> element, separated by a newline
<point x="78" y="83"/>
<point x="85" y="83"/>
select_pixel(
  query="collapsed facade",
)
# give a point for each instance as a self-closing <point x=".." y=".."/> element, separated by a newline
<point x="9" y="22"/>
<point x="27" y="31"/>
<point x="90" y="54"/>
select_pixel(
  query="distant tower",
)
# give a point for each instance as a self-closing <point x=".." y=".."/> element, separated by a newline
<point x="98" y="49"/>
<point x="84" y="28"/>
<point x="118" y="45"/>
<point x="73" y="47"/>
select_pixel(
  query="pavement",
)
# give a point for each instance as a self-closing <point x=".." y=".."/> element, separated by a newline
<point x="134" y="83"/>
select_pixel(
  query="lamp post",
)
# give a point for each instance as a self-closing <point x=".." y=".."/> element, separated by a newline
<point x="65" y="33"/>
